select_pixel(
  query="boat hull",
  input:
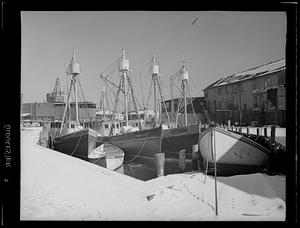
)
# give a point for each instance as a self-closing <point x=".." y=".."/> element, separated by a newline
<point x="176" y="139"/>
<point x="110" y="156"/>
<point x="234" y="154"/>
<point x="142" y="144"/>
<point x="77" y="144"/>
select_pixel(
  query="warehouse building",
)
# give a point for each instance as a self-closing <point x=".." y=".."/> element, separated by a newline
<point x="252" y="97"/>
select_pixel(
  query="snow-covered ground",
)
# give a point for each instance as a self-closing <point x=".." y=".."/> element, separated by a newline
<point x="55" y="186"/>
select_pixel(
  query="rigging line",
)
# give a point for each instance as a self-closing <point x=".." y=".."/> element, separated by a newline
<point x="180" y="91"/>
<point x="88" y="113"/>
<point x="193" y="83"/>
<point x="111" y="97"/>
<point x="149" y="94"/>
<point x="115" y="62"/>
<point x="66" y="107"/>
<point x="179" y="105"/>
<point x="163" y="100"/>
<point x="112" y="70"/>
<point x="192" y="103"/>
<point x="81" y="133"/>
<point x="141" y="84"/>
<point x="107" y="101"/>
<point x="140" y="149"/>
<point x="146" y="64"/>
<point x="134" y="99"/>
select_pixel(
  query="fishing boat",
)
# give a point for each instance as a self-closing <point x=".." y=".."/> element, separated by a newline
<point x="232" y="153"/>
<point x="176" y="139"/>
<point x="137" y="144"/>
<point x="72" y="138"/>
<point x="134" y="141"/>
<point x="181" y="137"/>
<point x="107" y="156"/>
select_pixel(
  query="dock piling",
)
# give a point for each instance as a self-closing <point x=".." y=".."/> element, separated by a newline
<point x="258" y="131"/>
<point x="159" y="164"/>
<point x="273" y="128"/>
<point x="195" y="157"/>
<point x="247" y="130"/>
<point x="265" y="132"/>
<point x="182" y="159"/>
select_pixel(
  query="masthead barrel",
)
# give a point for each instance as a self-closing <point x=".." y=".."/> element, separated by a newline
<point x="124" y="64"/>
<point x="75" y="69"/>
<point x="155" y="69"/>
<point x="185" y="74"/>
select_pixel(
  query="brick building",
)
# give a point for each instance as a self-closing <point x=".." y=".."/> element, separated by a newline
<point x="254" y="96"/>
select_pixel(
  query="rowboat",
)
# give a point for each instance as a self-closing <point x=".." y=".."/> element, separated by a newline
<point x="233" y="153"/>
<point x="107" y="156"/>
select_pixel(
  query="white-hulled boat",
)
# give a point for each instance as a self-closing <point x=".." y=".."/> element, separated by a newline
<point x="234" y="154"/>
<point x="107" y="156"/>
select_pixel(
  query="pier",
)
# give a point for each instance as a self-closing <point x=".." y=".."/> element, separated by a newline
<point x="55" y="186"/>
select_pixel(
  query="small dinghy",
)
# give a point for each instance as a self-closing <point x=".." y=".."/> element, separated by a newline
<point x="107" y="156"/>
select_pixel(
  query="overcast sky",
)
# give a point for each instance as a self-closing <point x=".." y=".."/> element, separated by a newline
<point x="217" y="45"/>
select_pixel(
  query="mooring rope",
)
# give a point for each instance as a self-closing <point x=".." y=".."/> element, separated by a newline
<point x="77" y="143"/>
<point x="140" y="150"/>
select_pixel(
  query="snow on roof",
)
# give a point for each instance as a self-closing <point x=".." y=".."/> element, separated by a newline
<point x="25" y="114"/>
<point x="251" y="73"/>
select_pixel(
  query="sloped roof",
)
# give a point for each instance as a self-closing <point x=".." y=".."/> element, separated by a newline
<point x="251" y="73"/>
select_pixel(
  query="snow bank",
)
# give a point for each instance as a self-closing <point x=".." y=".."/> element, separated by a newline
<point x="192" y="197"/>
<point x="55" y="186"/>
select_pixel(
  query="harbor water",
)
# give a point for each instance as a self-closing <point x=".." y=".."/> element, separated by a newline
<point x="143" y="169"/>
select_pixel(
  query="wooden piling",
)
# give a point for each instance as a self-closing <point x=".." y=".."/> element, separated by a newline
<point x="248" y="130"/>
<point x="182" y="159"/>
<point x="240" y="130"/>
<point x="231" y="127"/>
<point x="273" y="129"/>
<point x="265" y="132"/>
<point x="257" y="131"/>
<point x="195" y="157"/>
<point x="159" y="164"/>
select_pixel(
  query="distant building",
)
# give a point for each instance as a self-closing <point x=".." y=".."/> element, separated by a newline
<point x="254" y="96"/>
<point x="54" y="111"/>
<point x="196" y="111"/>
<point x="57" y="95"/>
<point x="54" y="108"/>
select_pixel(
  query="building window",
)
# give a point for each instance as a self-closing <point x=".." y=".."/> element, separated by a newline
<point x="235" y="88"/>
<point x="254" y="84"/>
<point x="220" y="105"/>
<point x="219" y="91"/>
<point x="269" y="81"/>
<point x="281" y="79"/>
<point x="266" y="82"/>
<point x="255" y="100"/>
<point x="226" y="90"/>
<point x="244" y="87"/>
<point x="235" y="101"/>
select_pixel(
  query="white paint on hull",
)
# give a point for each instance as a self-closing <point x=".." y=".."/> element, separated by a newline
<point x="231" y="149"/>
